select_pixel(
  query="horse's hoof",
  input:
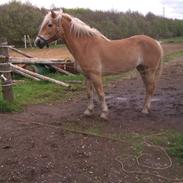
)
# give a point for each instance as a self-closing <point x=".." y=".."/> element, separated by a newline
<point x="145" y="111"/>
<point x="87" y="112"/>
<point x="104" y="116"/>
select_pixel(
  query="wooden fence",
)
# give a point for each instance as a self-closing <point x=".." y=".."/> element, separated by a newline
<point x="8" y="65"/>
<point x="5" y="72"/>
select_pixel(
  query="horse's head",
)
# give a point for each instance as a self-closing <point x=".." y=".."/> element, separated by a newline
<point x="50" y="29"/>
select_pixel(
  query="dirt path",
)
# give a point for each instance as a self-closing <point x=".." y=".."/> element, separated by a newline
<point x="48" y="154"/>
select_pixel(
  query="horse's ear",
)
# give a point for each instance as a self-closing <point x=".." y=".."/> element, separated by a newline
<point x="53" y="14"/>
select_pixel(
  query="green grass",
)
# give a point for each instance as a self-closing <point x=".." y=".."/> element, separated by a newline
<point x="173" y="143"/>
<point x="35" y="92"/>
<point x="9" y="106"/>
<point x="173" y="40"/>
<point x="66" y="78"/>
<point x="172" y="56"/>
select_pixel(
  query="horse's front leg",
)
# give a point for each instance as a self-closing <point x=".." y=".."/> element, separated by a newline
<point x="90" y="94"/>
<point x="97" y="82"/>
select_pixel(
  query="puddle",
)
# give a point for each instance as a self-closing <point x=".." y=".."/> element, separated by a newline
<point x="155" y="99"/>
<point x="112" y="97"/>
<point x="122" y="98"/>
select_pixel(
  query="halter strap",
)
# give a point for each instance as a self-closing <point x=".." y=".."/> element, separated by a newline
<point x="42" y="38"/>
<point x="58" y="30"/>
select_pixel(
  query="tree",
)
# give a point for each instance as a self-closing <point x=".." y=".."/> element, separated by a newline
<point x="17" y="19"/>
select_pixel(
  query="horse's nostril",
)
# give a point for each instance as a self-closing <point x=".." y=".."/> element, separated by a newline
<point x="38" y="42"/>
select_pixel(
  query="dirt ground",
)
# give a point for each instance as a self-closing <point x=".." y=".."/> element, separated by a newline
<point x="34" y="147"/>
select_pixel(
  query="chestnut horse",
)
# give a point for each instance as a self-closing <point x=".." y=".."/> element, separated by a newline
<point x="97" y="55"/>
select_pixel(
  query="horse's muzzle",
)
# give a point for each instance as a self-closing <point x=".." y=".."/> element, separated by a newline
<point x="40" y="42"/>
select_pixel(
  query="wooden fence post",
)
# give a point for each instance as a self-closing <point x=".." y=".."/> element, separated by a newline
<point x="5" y="71"/>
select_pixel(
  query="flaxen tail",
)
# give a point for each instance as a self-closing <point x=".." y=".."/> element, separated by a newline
<point x="160" y="63"/>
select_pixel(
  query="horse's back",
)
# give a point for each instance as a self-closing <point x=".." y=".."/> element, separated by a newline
<point x="127" y="54"/>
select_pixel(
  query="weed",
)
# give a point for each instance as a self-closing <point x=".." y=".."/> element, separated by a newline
<point x="173" y="142"/>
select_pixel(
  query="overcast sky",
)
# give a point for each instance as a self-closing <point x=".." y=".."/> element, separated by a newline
<point x="172" y="8"/>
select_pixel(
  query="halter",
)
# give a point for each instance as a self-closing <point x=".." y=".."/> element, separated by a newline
<point x="58" y="30"/>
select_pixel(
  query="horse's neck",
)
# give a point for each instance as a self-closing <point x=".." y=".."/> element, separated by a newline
<point x="75" y="44"/>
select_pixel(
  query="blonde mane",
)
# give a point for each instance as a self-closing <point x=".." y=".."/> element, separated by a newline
<point x="80" y="29"/>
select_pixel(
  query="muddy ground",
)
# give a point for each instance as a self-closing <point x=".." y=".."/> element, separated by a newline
<point x="34" y="147"/>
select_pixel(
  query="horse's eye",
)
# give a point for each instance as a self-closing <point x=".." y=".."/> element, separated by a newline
<point x="49" y="25"/>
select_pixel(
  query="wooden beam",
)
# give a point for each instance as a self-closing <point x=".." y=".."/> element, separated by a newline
<point x="40" y="76"/>
<point x="30" y="59"/>
<point x="24" y="74"/>
<point x="61" y="70"/>
<point x="19" y="60"/>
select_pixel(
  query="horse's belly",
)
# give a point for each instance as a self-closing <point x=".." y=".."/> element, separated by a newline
<point x="117" y="66"/>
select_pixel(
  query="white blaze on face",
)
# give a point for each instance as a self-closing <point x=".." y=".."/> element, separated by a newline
<point x="45" y="21"/>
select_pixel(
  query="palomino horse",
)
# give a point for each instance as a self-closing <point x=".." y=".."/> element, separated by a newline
<point x="98" y="55"/>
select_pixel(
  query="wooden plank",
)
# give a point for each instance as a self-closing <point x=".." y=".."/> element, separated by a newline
<point x="61" y="70"/>
<point x="32" y="60"/>
<point x="40" y="76"/>
<point x="25" y="75"/>
<point x="19" y="60"/>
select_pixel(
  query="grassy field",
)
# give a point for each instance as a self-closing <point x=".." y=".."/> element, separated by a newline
<point x="172" y="56"/>
<point x="36" y="92"/>
<point x="173" y="142"/>
<point x="173" y="40"/>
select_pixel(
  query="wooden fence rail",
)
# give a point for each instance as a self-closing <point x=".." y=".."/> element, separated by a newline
<point x="39" y="76"/>
<point x="7" y="65"/>
<point x="19" y="60"/>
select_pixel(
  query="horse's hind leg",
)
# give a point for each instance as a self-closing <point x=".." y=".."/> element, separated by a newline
<point x="90" y="93"/>
<point x="150" y="88"/>
<point x="148" y="77"/>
